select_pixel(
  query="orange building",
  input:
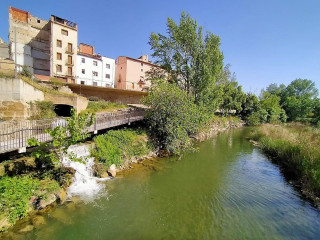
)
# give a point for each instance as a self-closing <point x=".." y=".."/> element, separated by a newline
<point x="131" y="73"/>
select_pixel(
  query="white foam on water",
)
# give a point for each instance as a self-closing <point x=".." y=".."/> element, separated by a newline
<point x="84" y="183"/>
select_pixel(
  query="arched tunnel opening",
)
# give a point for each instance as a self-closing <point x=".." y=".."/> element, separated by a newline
<point x="63" y="110"/>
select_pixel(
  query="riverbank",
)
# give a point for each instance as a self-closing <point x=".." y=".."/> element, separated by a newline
<point x="122" y="148"/>
<point x="295" y="147"/>
<point x="27" y="186"/>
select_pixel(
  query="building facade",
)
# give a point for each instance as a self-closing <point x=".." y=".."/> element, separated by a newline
<point x="94" y="69"/>
<point x="29" y="41"/>
<point x="64" y="41"/>
<point x="131" y="73"/>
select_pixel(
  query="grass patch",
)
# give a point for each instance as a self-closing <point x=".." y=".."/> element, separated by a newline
<point x="102" y="105"/>
<point x="42" y="110"/>
<point x="119" y="146"/>
<point x="295" y="146"/>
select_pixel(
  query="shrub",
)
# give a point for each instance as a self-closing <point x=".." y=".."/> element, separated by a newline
<point x="15" y="193"/>
<point x="172" y="118"/>
<point x="117" y="146"/>
<point x="43" y="109"/>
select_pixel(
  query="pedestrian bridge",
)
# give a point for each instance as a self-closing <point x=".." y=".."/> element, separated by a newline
<point x="14" y="135"/>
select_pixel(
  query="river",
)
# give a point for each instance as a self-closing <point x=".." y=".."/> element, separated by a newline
<point x="228" y="189"/>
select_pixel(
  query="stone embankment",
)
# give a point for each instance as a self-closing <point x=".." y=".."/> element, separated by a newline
<point x="216" y="127"/>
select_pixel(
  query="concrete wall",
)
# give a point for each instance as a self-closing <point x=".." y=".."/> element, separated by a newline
<point x="6" y="66"/>
<point x="77" y="102"/>
<point x="4" y="51"/>
<point x="18" y="90"/>
<point x="109" y="94"/>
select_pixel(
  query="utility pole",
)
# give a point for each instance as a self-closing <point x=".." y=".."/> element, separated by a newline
<point x="15" y="52"/>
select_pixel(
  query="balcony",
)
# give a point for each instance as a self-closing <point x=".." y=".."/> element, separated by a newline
<point x="69" y="63"/>
<point x="70" y="50"/>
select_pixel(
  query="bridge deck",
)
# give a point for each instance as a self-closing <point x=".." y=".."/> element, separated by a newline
<point x="14" y="136"/>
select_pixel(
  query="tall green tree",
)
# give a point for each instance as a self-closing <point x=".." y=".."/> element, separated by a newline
<point x="192" y="59"/>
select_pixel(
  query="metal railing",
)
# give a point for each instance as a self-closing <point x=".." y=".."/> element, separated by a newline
<point x="14" y="135"/>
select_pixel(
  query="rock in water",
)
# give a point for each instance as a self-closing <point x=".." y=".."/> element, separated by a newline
<point x="112" y="170"/>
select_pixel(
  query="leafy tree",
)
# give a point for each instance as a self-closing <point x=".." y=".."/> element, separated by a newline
<point x="193" y="60"/>
<point x="172" y="118"/>
<point x="232" y="97"/>
<point x="250" y="105"/>
<point x="271" y="103"/>
<point x="298" y="99"/>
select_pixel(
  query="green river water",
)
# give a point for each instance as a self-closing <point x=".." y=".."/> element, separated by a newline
<point x="226" y="190"/>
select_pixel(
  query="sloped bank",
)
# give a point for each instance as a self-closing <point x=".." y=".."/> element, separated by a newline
<point x="26" y="186"/>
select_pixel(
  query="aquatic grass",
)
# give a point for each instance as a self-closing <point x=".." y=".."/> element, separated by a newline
<point x="296" y="147"/>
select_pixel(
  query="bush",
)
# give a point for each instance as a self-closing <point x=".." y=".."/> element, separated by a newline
<point x="15" y="193"/>
<point x="44" y="110"/>
<point x="172" y="118"/>
<point x="117" y="146"/>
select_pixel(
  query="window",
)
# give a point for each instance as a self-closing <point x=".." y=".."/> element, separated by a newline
<point x="83" y="60"/>
<point x="69" y="49"/>
<point x="59" y="56"/>
<point x="108" y="66"/>
<point x="59" y="68"/>
<point x="59" y="43"/>
<point x="132" y="85"/>
<point x="107" y="75"/>
<point x="69" y="59"/>
<point x="38" y="21"/>
<point x="141" y="70"/>
<point x="83" y="71"/>
<point x="95" y="74"/>
<point x="64" y="32"/>
<point x="95" y="63"/>
<point x="141" y="64"/>
<point x="82" y="82"/>
<point x="70" y="71"/>
<point x="95" y="84"/>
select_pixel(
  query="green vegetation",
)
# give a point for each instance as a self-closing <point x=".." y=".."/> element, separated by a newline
<point x="295" y="146"/>
<point x="173" y="118"/>
<point x="16" y="192"/>
<point x="119" y="146"/>
<point x="42" y="110"/>
<point x="76" y="128"/>
<point x="102" y="105"/>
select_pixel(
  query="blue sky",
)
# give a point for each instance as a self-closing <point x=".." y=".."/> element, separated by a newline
<point x="265" y="41"/>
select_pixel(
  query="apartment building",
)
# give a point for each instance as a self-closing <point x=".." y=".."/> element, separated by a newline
<point x="29" y="41"/>
<point x="64" y="41"/>
<point x="46" y="48"/>
<point x="94" y="69"/>
<point x="131" y="73"/>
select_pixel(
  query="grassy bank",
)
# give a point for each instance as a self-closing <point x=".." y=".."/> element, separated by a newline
<point x="296" y="147"/>
<point x="25" y="187"/>
<point x="103" y="106"/>
<point x="120" y="147"/>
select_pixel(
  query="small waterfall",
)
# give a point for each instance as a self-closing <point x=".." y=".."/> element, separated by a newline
<point x="84" y="184"/>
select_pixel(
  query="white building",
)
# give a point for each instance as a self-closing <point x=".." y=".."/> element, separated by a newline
<point x="93" y="69"/>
